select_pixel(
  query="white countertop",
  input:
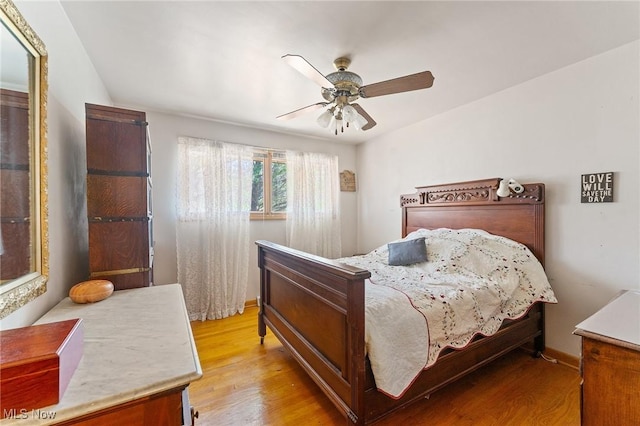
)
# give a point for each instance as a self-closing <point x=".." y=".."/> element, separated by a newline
<point x="619" y="320"/>
<point x="136" y="343"/>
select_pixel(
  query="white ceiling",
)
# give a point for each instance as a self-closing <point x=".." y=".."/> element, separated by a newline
<point x="221" y="60"/>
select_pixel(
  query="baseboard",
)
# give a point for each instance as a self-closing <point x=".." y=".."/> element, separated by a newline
<point x="563" y="358"/>
<point x="250" y="303"/>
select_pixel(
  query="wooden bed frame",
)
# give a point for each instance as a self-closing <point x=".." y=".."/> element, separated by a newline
<point x="315" y="306"/>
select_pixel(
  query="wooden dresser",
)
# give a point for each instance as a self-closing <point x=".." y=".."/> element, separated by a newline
<point x="139" y="358"/>
<point x="119" y="196"/>
<point x="610" y="363"/>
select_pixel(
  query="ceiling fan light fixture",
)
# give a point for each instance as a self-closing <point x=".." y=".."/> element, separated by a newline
<point x="349" y="113"/>
<point x="359" y="122"/>
<point x="324" y="119"/>
<point x="340" y="116"/>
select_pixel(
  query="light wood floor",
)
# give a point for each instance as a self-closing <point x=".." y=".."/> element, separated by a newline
<point x="245" y="383"/>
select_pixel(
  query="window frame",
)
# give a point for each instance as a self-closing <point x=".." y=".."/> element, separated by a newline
<point x="267" y="158"/>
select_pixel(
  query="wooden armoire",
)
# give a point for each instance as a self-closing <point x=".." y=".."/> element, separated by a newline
<point x="16" y="258"/>
<point x="119" y="196"/>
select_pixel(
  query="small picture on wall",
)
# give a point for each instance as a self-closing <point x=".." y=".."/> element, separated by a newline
<point x="597" y="188"/>
<point x="348" y="181"/>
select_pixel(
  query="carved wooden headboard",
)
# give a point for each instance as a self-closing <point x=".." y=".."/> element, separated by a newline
<point x="475" y="204"/>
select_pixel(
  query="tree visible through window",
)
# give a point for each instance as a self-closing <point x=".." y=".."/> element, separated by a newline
<point x="269" y="186"/>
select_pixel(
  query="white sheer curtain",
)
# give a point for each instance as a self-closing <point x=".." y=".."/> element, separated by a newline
<point x="214" y="200"/>
<point x="313" y="203"/>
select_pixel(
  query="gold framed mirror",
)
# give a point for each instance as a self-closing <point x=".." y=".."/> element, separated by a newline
<point x="24" y="245"/>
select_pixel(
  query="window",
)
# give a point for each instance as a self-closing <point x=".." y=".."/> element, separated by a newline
<point x="269" y="186"/>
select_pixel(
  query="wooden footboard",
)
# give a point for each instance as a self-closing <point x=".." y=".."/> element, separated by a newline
<point x="316" y="309"/>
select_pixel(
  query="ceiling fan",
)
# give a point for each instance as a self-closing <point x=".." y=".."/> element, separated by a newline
<point x="342" y="88"/>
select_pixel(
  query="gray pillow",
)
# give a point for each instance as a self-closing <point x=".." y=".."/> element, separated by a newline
<point x="407" y="252"/>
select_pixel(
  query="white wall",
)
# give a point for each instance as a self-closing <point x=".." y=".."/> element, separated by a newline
<point x="584" y="118"/>
<point x="165" y="130"/>
<point x="72" y="82"/>
<point x="581" y="119"/>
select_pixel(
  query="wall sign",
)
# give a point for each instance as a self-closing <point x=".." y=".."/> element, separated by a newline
<point x="348" y="181"/>
<point x="597" y="188"/>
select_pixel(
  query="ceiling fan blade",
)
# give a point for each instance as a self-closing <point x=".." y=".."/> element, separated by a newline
<point x="308" y="70"/>
<point x="301" y="111"/>
<point x="370" y="121"/>
<point x="421" y="80"/>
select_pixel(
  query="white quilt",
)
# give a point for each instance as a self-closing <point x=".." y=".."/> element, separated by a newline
<point x="470" y="283"/>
